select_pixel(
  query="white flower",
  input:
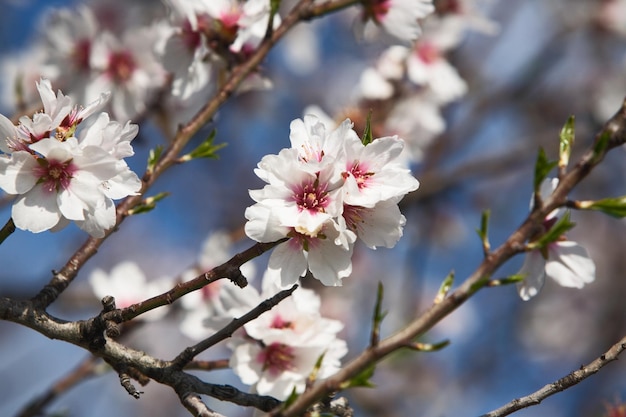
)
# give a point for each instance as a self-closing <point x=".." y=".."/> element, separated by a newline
<point x="284" y="344"/>
<point x="564" y="261"/>
<point x="128" y="68"/>
<point x="216" y="304"/>
<point x="399" y="18"/>
<point x="372" y="173"/>
<point x="327" y="254"/>
<point x="567" y="263"/>
<point x="380" y="225"/>
<point x="183" y="51"/>
<point x="60" y="178"/>
<point x="322" y="193"/>
<point x="128" y="285"/>
<point x="69" y="36"/>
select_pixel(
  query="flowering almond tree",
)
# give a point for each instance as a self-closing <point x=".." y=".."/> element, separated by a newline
<point x="281" y="191"/>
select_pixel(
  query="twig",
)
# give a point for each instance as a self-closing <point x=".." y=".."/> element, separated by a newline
<point x="191" y="352"/>
<point x="229" y="269"/>
<point x="562" y="384"/>
<point x="7" y="230"/>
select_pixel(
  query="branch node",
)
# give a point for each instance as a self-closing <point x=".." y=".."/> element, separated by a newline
<point x="128" y="385"/>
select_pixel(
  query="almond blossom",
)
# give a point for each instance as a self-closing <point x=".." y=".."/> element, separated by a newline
<point x="284" y="344"/>
<point x="324" y="192"/>
<point x="566" y="262"/>
<point x="127" y="283"/>
<point x="61" y="176"/>
<point x="128" y="67"/>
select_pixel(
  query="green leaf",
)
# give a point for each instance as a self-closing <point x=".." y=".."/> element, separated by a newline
<point x="615" y="207"/>
<point x="153" y="157"/>
<point x="367" y="134"/>
<point x="511" y="279"/>
<point x="205" y="150"/>
<point x="291" y="399"/>
<point x="318" y="365"/>
<point x="601" y="144"/>
<point x="566" y="141"/>
<point x="483" y="231"/>
<point x="429" y="347"/>
<point x="274" y="5"/>
<point x="556" y="231"/>
<point x="378" y="315"/>
<point x="542" y="167"/>
<point x="148" y="204"/>
<point x="444" y="288"/>
<point x="479" y="284"/>
<point x="361" y="380"/>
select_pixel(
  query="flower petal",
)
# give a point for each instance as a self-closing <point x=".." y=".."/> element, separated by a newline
<point x="569" y="264"/>
<point x="36" y="211"/>
<point x="535" y="275"/>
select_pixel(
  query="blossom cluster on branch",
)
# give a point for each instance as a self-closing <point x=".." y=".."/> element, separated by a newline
<point x="335" y="191"/>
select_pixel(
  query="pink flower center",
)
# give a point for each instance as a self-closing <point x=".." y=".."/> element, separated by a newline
<point x="211" y="291"/>
<point x="191" y="38"/>
<point x="80" y="54"/>
<point x="360" y="174"/>
<point x="427" y="52"/>
<point x="276" y="358"/>
<point x="449" y="6"/>
<point x="121" y="66"/>
<point x="54" y="175"/>
<point x="280" y="323"/>
<point x="311" y="196"/>
<point x="377" y="9"/>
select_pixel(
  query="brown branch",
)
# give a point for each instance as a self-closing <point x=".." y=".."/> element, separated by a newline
<point x="612" y="134"/>
<point x="562" y="384"/>
<point x="229" y="269"/>
<point x="227" y="331"/>
<point x="208" y="365"/>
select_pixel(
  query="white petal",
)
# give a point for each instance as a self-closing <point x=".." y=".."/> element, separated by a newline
<point x="329" y="263"/>
<point x="534" y="271"/>
<point x="288" y="262"/>
<point x="569" y="264"/>
<point x="36" y="210"/>
<point x="16" y="172"/>
<point x="8" y="133"/>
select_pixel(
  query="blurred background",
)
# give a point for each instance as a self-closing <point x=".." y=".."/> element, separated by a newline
<point x="523" y="68"/>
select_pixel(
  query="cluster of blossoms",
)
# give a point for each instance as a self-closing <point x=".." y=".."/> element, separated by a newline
<point x="281" y="348"/>
<point x="564" y="261"/>
<point x="62" y="170"/>
<point x="275" y="353"/>
<point x="184" y="48"/>
<point x="410" y="84"/>
<point x="323" y="193"/>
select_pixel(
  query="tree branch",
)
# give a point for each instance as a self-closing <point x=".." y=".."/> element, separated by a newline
<point x="562" y="384"/>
